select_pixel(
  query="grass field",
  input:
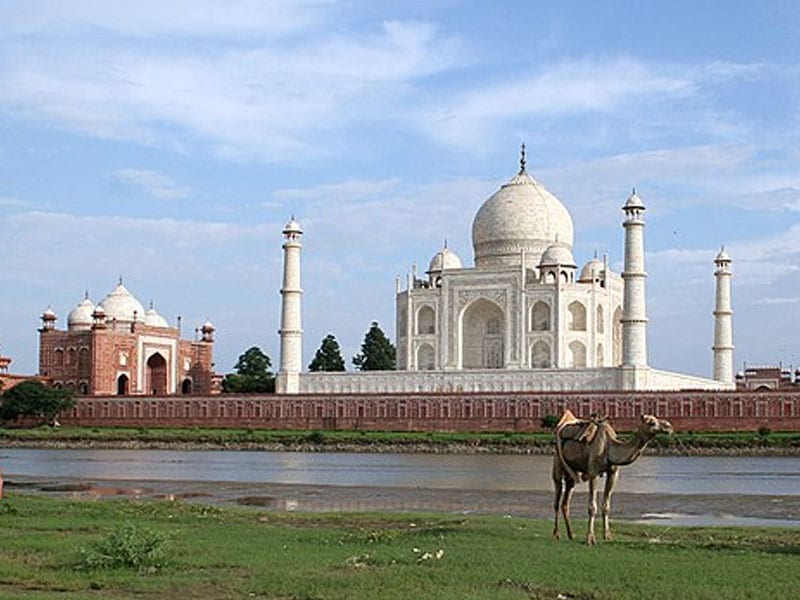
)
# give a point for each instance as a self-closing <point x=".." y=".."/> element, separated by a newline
<point x="50" y="548"/>
<point x="682" y="443"/>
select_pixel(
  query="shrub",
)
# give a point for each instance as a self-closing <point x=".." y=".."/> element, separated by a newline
<point x="549" y="421"/>
<point x="127" y="546"/>
<point x="764" y="431"/>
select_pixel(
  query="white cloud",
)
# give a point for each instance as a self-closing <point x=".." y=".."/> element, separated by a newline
<point x="153" y="183"/>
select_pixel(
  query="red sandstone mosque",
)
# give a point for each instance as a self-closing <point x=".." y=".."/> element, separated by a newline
<point x="116" y="347"/>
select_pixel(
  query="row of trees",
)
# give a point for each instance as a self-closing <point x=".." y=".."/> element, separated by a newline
<point x="254" y="368"/>
<point x="32" y="400"/>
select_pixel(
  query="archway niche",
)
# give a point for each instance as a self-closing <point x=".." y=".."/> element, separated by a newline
<point x="540" y="317"/>
<point x="482" y="327"/>
<point x="186" y="387"/>
<point x="577" y="353"/>
<point x="540" y="355"/>
<point x="426" y="360"/>
<point x="577" y="314"/>
<point x="123" y="385"/>
<point x="157" y="375"/>
<point x="616" y="348"/>
<point x="426" y="321"/>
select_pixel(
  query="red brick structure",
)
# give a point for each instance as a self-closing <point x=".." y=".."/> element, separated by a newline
<point x="706" y="411"/>
<point x="762" y="379"/>
<point x="119" y="348"/>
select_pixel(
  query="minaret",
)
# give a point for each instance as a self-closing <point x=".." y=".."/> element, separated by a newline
<point x="723" y="320"/>
<point x="634" y="315"/>
<point x="291" y="332"/>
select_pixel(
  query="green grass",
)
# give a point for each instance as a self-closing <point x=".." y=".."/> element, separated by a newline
<point x="241" y="553"/>
<point x="687" y="442"/>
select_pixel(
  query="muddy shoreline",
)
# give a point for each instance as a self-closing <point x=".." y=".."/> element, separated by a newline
<point x="667" y="509"/>
<point x="386" y="448"/>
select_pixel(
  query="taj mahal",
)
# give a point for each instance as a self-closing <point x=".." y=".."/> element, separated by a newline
<point x="523" y="318"/>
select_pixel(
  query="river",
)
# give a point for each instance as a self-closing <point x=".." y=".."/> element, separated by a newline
<point x="769" y="480"/>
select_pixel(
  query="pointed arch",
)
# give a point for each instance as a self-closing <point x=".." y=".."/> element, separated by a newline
<point x="426" y="321"/>
<point x="577" y="353"/>
<point x="599" y="359"/>
<point x="540" y="355"/>
<point x="482" y="330"/>
<point x="616" y="347"/>
<point x="599" y="323"/>
<point x="426" y="358"/>
<point x="157" y="375"/>
<point x="540" y="316"/>
<point x="577" y="316"/>
<point x="123" y="383"/>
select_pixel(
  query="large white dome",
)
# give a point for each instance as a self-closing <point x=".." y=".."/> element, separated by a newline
<point x="521" y="215"/>
<point x="120" y="304"/>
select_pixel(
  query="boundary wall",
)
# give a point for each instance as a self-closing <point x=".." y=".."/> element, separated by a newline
<point x="518" y="411"/>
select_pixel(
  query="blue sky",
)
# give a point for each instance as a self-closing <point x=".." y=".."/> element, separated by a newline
<point x="170" y="141"/>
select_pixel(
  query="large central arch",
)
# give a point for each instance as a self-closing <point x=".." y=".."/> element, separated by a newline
<point x="482" y="336"/>
<point x="157" y="375"/>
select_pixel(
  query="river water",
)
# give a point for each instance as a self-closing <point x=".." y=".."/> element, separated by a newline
<point x="722" y="477"/>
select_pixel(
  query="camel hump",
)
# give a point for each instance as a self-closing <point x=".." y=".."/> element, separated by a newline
<point x="567" y="418"/>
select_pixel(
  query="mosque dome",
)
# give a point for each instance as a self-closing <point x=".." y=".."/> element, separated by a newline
<point x="592" y="270"/>
<point x="521" y="215"/>
<point x="292" y="227"/>
<point x="120" y="304"/>
<point x="80" y="317"/>
<point x="557" y="254"/>
<point x="153" y="319"/>
<point x="722" y="256"/>
<point x="444" y="260"/>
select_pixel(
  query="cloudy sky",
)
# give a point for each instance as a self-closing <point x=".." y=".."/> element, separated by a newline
<point x="169" y="142"/>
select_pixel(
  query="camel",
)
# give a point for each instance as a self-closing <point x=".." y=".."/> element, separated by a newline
<point x="588" y="448"/>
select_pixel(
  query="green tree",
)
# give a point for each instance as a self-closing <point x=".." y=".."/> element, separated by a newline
<point x="328" y="356"/>
<point x="33" y="399"/>
<point x="377" y="352"/>
<point x="253" y="374"/>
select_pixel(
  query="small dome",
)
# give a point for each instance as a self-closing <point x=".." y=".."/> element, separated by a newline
<point x="81" y="316"/>
<point x="49" y="314"/>
<point x="208" y="327"/>
<point x="722" y="256"/>
<point x="557" y="254"/>
<point x="521" y="216"/>
<point x="292" y="226"/>
<point x="153" y="319"/>
<point x="592" y="270"/>
<point x="120" y="304"/>
<point x="444" y="260"/>
<point x="634" y="201"/>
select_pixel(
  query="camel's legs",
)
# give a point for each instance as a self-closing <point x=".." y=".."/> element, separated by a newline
<point x="569" y="487"/>
<point x="592" y="510"/>
<point x="611" y="482"/>
<point x="557" y="507"/>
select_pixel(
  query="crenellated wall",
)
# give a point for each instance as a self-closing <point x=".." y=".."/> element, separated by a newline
<point x="699" y="410"/>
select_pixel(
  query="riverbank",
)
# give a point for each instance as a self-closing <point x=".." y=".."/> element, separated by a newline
<point x="683" y="444"/>
<point x="68" y="549"/>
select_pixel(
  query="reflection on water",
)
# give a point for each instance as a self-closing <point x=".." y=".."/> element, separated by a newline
<point x="665" y="475"/>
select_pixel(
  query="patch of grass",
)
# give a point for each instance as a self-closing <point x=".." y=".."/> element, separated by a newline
<point x="127" y="546"/>
<point x="232" y="552"/>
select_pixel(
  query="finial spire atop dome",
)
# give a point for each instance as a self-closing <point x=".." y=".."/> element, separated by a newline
<point x="522" y="159"/>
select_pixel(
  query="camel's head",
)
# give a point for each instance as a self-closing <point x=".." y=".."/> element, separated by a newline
<point x="651" y="426"/>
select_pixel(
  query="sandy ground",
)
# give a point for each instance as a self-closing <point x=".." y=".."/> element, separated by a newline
<point x="693" y="509"/>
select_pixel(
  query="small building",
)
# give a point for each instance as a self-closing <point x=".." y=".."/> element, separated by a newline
<point x="116" y="347"/>
<point x="767" y="378"/>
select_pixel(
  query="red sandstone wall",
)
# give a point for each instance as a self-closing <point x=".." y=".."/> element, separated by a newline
<point x="720" y="411"/>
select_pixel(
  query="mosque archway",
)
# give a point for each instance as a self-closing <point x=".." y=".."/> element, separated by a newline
<point x="123" y="385"/>
<point x="482" y="336"/>
<point x="157" y="375"/>
<point x="186" y="387"/>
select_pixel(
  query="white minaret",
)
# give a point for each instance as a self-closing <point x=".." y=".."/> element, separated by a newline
<point x="634" y="315"/>
<point x="291" y="332"/>
<point x="723" y="320"/>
